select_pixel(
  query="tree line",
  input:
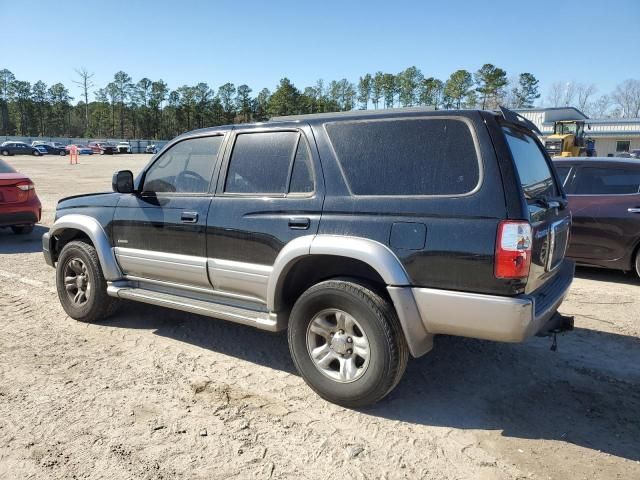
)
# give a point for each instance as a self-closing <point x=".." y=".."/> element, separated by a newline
<point x="150" y="109"/>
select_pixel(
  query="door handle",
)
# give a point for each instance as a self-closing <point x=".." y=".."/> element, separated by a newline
<point x="189" y="217"/>
<point x="299" y="223"/>
<point x="633" y="210"/>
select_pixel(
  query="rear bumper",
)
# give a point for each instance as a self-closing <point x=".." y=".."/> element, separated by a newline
<point x="505" y="319"/>
<point x="26" y="213"/>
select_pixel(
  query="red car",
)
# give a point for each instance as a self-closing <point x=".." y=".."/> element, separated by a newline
<point x="20" y="207"/>
<point x="604" y="198"/>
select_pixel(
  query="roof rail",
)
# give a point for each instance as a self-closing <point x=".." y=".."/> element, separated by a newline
<point x="514" y="117"/>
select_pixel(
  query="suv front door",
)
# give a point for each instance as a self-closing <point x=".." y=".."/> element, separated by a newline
<point x="270" y="191"/>
<point x="159" y="233"/>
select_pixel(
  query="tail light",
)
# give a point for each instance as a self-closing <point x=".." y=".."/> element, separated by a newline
<point x="513" y="250"/>
<point x="27" y="191"/>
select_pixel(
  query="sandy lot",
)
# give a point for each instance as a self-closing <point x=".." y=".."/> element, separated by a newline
<point x="158" y="394"/>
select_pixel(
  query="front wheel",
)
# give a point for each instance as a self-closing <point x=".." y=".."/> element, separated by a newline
<point x="638" y="262"/>
<point x="5" y="153"/>
<point x="62" y="153"/>
<point x="347" y="343"/>
<point x="82" y="288"/>
<point x="36" y="153"/>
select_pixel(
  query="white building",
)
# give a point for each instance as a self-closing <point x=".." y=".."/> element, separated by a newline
<point x="611" y="135"/>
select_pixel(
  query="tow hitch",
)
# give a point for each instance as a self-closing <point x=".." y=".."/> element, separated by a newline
<point x="557" y="324"/>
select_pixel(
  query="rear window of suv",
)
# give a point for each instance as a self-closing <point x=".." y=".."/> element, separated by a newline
<point x="534" y="171"/>
<point x="406" y="156"/>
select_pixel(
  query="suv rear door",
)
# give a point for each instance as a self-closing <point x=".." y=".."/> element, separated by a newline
<point x="270" y="191"/>
<point x="544" y="197"/>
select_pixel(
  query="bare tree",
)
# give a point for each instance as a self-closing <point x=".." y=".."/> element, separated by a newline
<point x="584" y="94"/>
<point x="599" y="108"/>
<point x="85" y="83"/>
<point x="627" y="97"/>
<point x="556" y="94"/>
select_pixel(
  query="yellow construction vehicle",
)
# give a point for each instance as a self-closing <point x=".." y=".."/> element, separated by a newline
<point x="568" y="140"/>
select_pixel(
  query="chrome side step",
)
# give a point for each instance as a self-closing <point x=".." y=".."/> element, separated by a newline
<point x="260" y="319"/>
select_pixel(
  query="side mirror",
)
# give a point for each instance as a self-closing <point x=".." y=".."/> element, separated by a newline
<point x="122" y="181"/>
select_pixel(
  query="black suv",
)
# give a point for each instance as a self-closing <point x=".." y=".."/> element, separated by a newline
<point x="363" y="233"/>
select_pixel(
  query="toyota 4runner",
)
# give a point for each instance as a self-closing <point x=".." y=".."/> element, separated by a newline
<point x="365" y="234"/>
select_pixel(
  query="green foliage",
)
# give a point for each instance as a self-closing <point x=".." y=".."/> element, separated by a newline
<point x="457" y="88"/>
<point x="491" y="81"/>
<point x="149" y="109"/>
<point x="526" y="92"/>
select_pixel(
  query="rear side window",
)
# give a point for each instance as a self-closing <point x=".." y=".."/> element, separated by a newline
<point x="534" y="171"/>
<point x="6" y="168"/>
<point x="261" y="162"/>
<point x="406" y="157"/>
<point x="607" y="181"/>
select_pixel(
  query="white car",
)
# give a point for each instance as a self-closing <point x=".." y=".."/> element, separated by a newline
<point x="123" y="147"/>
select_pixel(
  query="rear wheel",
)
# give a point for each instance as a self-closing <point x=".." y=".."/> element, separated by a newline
<point x="82" y="288"/>
<point x="5" y="153"/>
<point x="346" y="342"/>
<point x="22" y="229"/>
<point x="36" y="153"/>
<point x="638" y="262"/>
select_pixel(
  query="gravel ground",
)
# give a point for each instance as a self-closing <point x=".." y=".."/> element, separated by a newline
<point x="154" y="393"/>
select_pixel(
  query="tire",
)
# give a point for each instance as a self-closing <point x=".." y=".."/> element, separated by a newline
<point x="36" y="153"/>
<point x="22" y="229"/>
<point x="368" y="319"/>
<point x="97" y="305"/>
<point x="62" y="153"/>
<point x="638" y="262"/>
<point x="5" y="153"/>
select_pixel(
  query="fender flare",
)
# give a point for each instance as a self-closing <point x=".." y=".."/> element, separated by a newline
<point x="375" y="254"/>
<point x="92" y="228"/>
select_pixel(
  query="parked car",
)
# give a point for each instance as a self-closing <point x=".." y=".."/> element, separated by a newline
<point x="82" y="149"/>
<point x="20" y="207"/>
<point x="18" y="148"/>
<point x="50" y="149"/>
<point x="151" y="149"/>
<point x="123" y="147"/>
<point x="635" y="153"/>
<point x="604" y="198"/>
<point x="103" y="148"/>
<point x="363" y="233"/>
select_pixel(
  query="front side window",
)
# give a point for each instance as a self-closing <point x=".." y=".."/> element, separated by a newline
<point x="534" y="171"/>
<point x="187" y="167"/>
<point x="406" y="156"/>
<point x="607" y="181"/>
<point x="260" y="163"/>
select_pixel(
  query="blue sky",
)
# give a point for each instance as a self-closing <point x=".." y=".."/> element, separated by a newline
<point x="258" y="42"/>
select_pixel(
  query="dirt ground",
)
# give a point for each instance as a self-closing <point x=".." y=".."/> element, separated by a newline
<point x="159" y="394"/>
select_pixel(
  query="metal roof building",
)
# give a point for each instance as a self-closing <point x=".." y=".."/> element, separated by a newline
<point x="610" y="134"/>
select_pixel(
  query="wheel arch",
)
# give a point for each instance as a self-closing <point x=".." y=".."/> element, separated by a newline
<point x="76" y="226"/>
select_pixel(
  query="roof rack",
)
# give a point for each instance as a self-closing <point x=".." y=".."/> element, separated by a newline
<point x="352" y="113"/>
<point x="514" y="117"/>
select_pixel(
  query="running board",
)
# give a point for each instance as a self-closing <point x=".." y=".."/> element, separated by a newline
<point x="260" y="319"/>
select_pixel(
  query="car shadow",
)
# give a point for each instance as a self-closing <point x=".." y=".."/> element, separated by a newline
<point x="587" y="393"/>
<point x="606" y="275"/>
<point x="11" y="243"/>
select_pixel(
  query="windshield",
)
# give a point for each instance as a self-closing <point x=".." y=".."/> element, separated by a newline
<point x="565" y="128"/>
<point x="534" y="171"/>
<point x="6" y="168"/>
